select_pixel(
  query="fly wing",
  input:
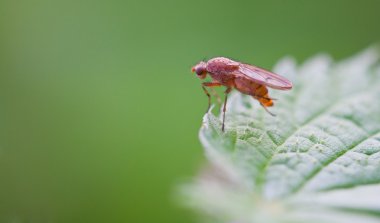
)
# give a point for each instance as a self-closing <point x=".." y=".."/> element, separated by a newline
<point x="264" y="77"/>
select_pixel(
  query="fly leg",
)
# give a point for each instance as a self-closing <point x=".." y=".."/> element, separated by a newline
<point x="215" y="94"/>
<point x="228" y="90"/>
<point x="266" y="109"/>
<point x="209" y="84"/>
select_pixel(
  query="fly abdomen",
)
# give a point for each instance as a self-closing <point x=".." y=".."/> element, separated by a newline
<point x="261" y="94"/>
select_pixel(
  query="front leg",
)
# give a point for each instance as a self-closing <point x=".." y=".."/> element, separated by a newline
<point x="209" y="84"/>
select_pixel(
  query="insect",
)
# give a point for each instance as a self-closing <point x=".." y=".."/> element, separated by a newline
<point x="248" y="79"/>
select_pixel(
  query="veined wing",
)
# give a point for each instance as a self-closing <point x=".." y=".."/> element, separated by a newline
<point x="264" y="77"/>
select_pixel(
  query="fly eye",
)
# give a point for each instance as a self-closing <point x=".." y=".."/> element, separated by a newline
<point x="199" y="71"/>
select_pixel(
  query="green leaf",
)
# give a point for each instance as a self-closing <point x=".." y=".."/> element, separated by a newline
<point x="318" y="160"/>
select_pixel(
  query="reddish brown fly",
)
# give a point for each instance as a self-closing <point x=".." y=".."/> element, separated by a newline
<point x="247" y="79"/>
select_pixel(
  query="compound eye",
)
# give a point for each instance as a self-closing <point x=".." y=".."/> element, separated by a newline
<point x="199" y="70"/>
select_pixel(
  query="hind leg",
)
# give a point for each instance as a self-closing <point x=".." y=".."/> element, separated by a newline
<point x="266" y="109"/>
<point x="265" y="102"/>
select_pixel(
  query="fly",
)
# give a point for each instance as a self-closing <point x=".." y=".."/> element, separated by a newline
<point x="247" y="79"/>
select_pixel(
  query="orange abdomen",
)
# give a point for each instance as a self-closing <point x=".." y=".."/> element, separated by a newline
<point x="257" y="91"/>
<point x="261" y="94"/>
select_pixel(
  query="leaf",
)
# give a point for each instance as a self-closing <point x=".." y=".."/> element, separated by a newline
<point x="318" y="160"/>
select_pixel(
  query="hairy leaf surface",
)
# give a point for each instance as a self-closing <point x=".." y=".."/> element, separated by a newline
<point x="318" y="160"/>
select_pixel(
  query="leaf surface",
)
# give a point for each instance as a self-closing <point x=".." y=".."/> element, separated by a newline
<point x="318" y="160"/>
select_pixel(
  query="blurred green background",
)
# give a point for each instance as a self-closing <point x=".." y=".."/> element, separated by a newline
<point x="99" y="112"/>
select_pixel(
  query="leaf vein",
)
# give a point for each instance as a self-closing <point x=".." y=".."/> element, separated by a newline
<point x="319" y="169"/>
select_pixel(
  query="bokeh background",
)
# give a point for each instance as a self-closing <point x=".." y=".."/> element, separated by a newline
<point x="99" y="112"/>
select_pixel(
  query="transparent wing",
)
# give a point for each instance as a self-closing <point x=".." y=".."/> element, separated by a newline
<point x="262" y="76"/>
